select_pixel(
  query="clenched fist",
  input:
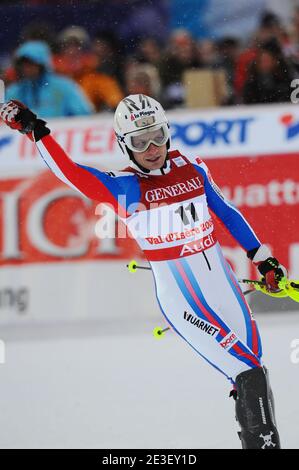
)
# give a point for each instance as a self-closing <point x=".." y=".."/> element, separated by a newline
<point x="17" y="116"/>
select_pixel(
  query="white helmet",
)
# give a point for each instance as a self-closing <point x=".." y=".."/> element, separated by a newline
<point x="140" y="115"/>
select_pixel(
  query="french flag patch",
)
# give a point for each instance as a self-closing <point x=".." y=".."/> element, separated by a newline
<point x="179" y="161"/>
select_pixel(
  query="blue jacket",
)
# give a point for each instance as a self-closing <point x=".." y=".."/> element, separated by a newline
<point x="51" y="95"/>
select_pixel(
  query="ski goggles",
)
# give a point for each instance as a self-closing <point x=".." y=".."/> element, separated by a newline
<point x="139" y="141"/>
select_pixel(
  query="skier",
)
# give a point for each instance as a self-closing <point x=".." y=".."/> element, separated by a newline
<point x="165" y="201"/>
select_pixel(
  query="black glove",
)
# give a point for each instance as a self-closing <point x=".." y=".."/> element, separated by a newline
<point x="17" y="116"/>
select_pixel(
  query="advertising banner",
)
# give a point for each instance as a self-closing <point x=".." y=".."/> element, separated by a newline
<point x="48" y="240"/>
<point x="216" y="133"/>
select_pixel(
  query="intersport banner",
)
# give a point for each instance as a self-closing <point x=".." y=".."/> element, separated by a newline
<point x="49" y="238"/>
<point x="224" y="132"/>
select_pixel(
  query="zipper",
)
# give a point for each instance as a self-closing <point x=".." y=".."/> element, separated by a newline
<point x="207" y="261"/>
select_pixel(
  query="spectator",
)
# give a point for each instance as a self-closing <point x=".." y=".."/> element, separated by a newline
<point x="102" y="90"/>
<point x="149" y="51"/>
<point x="77" y="61"/>
<point x="180" y="56"/>
<point x="270" y="28"/>
<point x="228" y="50"/>
<point x="109" y="58"/>
<point x="208" y="54"/>
<point x="34" y="31"/>
<point x="269" y="76"/>
<point x="293" y="49"/>
<point x="74" y="58"/>
<point x="143" y="79"/>
<point x="48" y="94"/>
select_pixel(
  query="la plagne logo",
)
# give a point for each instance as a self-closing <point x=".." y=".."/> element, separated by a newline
<point x="291" y="124"/>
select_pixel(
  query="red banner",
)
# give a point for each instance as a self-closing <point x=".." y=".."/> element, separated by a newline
<point x="266" y="190"/>
<point x="43" y="220"/>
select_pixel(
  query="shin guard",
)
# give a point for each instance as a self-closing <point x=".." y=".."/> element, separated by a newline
<point x="255" y="410"/>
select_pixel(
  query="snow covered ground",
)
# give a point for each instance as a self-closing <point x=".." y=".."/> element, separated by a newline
<point x="115" y="386"/>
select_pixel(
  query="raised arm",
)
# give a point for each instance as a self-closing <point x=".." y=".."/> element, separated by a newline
<point x="90" y="182"/>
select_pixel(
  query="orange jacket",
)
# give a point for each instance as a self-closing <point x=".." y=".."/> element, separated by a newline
<point x="102" y="90"/>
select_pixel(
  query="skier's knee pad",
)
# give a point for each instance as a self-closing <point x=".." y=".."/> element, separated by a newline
<point x="255" y="410"/>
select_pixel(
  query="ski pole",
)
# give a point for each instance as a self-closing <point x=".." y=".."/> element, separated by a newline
<point x="288" y="288"/>
<point x="133" y="266"/>
<point x="159" y="332"/>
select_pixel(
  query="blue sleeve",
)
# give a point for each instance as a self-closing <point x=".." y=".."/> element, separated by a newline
<point x="231" y="217"/>
<point x="124" y="187"/>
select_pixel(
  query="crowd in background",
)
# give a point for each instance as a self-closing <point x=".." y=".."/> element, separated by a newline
<point x="75" y="74"/>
